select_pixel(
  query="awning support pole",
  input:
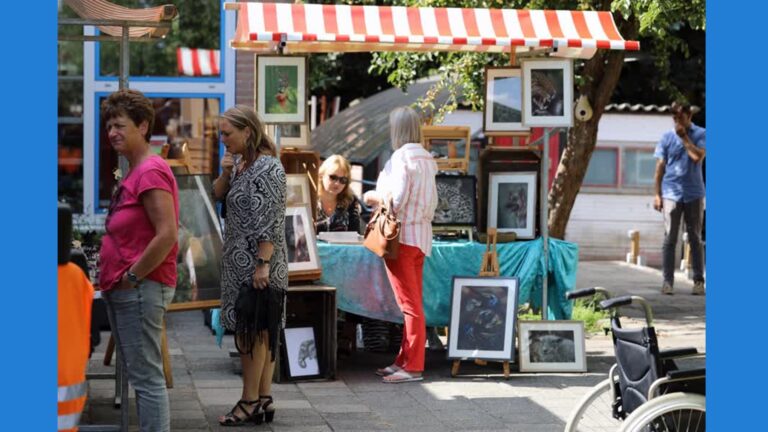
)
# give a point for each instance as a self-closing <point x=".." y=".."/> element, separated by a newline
<point x="125" y="56"/>
<point x="544" y="222"/>
<point x="124" y="59"/>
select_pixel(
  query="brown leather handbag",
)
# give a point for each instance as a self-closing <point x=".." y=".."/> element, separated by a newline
<point x="382" y="234"/>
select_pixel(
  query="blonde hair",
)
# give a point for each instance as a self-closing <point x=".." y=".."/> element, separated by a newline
<point x="404" y="126"/>
<point x="258" y="142"/>
<point x="333" y="163"/>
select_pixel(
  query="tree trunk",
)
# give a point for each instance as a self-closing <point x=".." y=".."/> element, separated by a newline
<point x="600" y="76"/>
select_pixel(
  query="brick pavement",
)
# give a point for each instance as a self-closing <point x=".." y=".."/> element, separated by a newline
<point x="206" y="380"/>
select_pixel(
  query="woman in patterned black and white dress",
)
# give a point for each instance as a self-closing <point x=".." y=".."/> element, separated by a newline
<point x="254" y="253"/>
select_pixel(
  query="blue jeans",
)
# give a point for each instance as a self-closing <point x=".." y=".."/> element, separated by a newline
<point x="136" y="318"/>
<point x="693" y="214"/>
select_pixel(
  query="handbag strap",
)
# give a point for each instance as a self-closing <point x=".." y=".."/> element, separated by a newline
<point x="386" y="215"/>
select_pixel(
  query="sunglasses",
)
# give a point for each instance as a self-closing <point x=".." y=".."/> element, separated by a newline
<point x="337" y="179"/>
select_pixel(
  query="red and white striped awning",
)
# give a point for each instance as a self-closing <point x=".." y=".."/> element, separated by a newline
<point x="344" y="28"/>
<point x="198" y="62"/>
<point x="104" y="10"/>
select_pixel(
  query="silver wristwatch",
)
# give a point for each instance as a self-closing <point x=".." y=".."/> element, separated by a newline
<point x="132" y="278"/>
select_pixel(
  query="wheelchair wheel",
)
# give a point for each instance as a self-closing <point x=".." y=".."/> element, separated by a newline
<point x="678" y="412"/>
<point x="594" y="412"/>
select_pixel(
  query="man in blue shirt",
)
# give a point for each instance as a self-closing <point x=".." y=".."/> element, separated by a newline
<point x="680" y="192"/>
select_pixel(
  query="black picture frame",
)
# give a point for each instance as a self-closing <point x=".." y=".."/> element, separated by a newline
<point x="296" y="351"/>
<point x="483" y="319"/>
<point x="456" y="196"/>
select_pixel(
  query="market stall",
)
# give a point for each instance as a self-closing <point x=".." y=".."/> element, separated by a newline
<point x="538" y="93"/>
<point x="269" y="28"/>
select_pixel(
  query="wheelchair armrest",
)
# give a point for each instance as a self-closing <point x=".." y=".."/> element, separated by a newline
<point x="687" y="373"/>
<point x="677" y="352"/>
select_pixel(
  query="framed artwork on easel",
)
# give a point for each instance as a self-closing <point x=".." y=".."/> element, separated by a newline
<point x="503" y="109"/>
<point x="512" y="203"/>
<point x="300" y="239"/>
<point x="483" y="315"/>
<point x="456" y="200"/>
<point x="548" y="92"/>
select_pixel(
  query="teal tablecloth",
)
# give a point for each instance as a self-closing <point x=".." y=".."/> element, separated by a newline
<point x="362" y="287"/>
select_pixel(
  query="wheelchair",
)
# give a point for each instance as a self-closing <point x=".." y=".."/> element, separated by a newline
<point x="645" y="390"/>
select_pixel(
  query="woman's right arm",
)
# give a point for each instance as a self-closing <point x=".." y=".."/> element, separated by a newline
<point x="221" y="184"/>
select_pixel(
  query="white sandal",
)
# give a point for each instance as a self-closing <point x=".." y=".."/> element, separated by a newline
<point x="401" y="376"/>
<point x="389" y="370"/>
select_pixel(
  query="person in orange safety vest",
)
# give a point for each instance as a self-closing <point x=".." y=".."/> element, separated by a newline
<point x="75" y="300"/>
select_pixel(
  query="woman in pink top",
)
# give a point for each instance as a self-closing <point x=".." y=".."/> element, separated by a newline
<point x="409" y="180"/>
<point x="138" y="253"/>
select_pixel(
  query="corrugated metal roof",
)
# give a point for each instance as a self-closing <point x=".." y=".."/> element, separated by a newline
<point x="361" y="132"/>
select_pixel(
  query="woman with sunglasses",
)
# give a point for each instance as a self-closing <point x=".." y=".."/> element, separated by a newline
<point x="337" y="207"/>
<point x="138" y="253"/>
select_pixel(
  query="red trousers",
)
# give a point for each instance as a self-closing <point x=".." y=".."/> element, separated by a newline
<point x="406" y="275"/>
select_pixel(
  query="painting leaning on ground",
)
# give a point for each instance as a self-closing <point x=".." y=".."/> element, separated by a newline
<point x="551" y="346"/>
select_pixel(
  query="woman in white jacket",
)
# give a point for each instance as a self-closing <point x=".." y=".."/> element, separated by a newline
<point x="409" y="180"/>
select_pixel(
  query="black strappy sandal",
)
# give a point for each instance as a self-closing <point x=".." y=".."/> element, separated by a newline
<point x="267" y="408"/>
<point x="232" y="419"/>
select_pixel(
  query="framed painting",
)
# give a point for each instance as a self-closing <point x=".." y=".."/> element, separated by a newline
<point x="281" y="89"/>
<point x="291" y="135"/>
<point x="483" y="315"/>
<point x="301" y="352"/>
<point x="503" y="110"/>
<point x="300" y="239"/>
<point x="552" y="346"/>
<point x="200" y="241"/>
<point x="512" y="203"/>
<point x="297" y="190"/>
<point x="548" y="93"/>
<point x="456" y="200"/>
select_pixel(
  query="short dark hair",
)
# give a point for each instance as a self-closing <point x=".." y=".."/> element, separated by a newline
<point x="131" y="103"/>
<point x="681" y="106"/>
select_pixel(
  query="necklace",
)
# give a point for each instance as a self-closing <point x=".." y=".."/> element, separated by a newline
<point x="328" y="209"/>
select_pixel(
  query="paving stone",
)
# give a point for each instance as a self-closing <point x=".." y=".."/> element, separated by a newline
<point x="340" y="408"/>
<point x="207" y="384"/>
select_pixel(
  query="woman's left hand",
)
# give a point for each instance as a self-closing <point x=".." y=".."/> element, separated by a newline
<point x="371" y="198"/>
<point x="261" y="276"/>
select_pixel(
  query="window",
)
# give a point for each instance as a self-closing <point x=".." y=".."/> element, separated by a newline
<point x="639" y="168"/>
<point x="179" y="122"/>
<point x="198" y="26"/>
<point x="70" y="118"/>
<point x="603" y="168"/>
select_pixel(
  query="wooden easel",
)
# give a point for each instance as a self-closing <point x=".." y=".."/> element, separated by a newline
<point x="489" y="267"/>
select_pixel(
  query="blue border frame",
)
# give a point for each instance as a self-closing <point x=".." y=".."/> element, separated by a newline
<point x="222" y="61"/>
<point x="735" y="256"/>
<point x="30" y="220"/>
<point x="97" y="125"/>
